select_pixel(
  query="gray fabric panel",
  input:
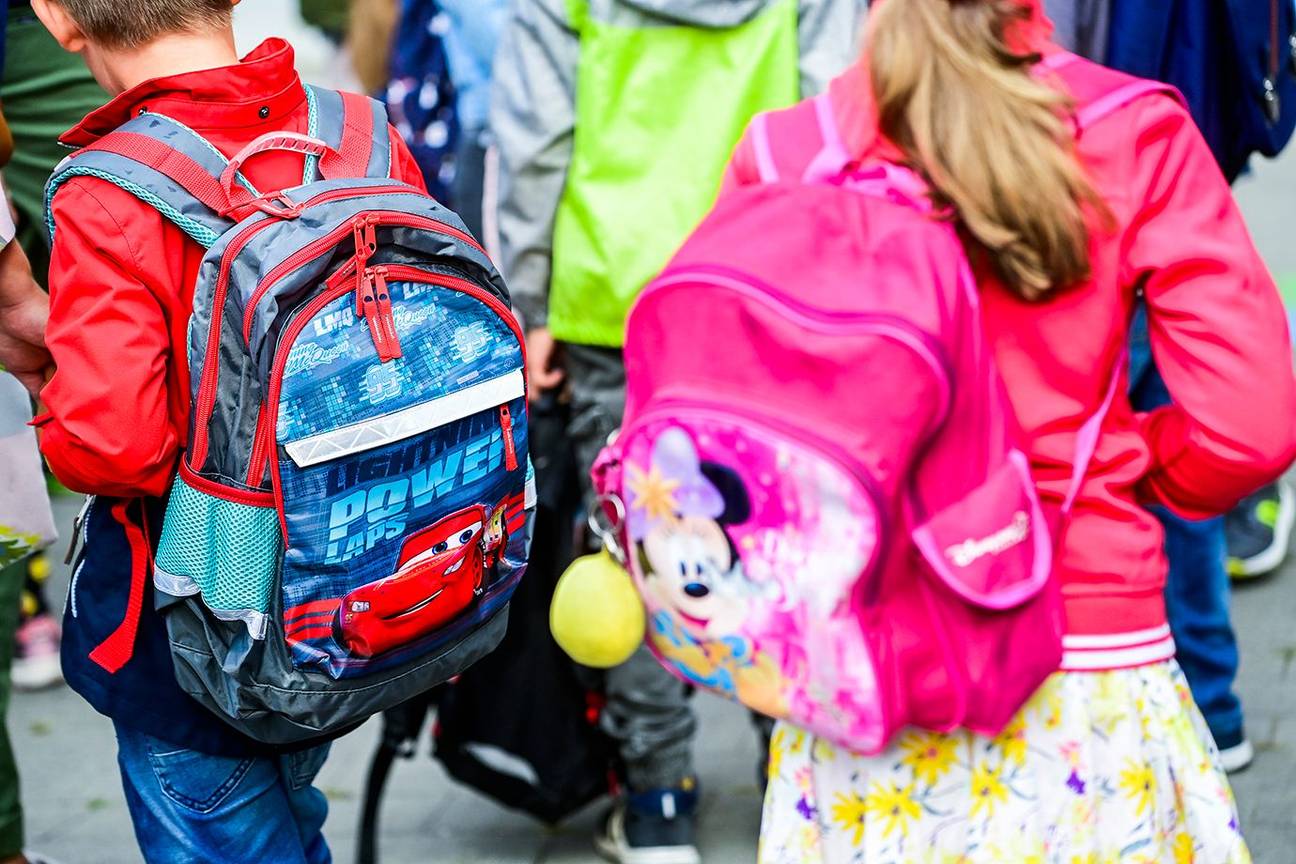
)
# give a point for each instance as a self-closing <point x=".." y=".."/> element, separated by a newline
<point x="328" y="106"/>
<point x="272" y="247"/>
<point x="278" y="704"/>
<point x="380" y="157"/>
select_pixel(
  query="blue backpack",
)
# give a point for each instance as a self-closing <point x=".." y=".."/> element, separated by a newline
<point x="1234" y="61"/>
<point x="351" y="515"/>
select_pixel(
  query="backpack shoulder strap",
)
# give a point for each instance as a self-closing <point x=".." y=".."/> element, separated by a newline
<point x="1099" y="91"/>
<point x="353" y="125"/>
<point x="163" y="163"/>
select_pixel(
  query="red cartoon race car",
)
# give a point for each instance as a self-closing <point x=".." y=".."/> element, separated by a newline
<point x="438" y="575"/>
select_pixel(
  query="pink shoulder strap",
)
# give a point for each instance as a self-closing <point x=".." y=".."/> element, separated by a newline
<point x="831" y="160"/>
<point x="1120" y="97"/>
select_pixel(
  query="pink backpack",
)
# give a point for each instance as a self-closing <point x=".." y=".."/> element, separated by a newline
<point x="816" y="482"/>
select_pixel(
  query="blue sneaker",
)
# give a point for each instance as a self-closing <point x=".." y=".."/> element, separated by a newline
<point x="657" y="826"/>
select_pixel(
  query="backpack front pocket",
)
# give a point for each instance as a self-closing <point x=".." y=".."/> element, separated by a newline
<point x="401" y="487"/>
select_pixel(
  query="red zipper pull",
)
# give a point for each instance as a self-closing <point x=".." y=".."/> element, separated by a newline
<point x="362" y="231"/>
<point x="376" y="307"/>
<point x="510" y="448"/>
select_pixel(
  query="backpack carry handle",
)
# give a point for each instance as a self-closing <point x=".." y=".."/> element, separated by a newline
<point x="330" y="167"/>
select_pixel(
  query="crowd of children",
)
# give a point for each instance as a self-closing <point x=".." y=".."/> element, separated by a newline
<point x="587" y="146"/>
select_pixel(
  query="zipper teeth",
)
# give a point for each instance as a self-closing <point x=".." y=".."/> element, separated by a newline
<point x="1273" y="40"/>
<point x="884" y="324"/>
<point x="207" y="386"/>
<point x="836" y="453"/>
<point x="316" y="247"/>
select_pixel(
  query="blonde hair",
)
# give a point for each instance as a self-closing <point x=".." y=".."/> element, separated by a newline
<point x="994" y="142"/>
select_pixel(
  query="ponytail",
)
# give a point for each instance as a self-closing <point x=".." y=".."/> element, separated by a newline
<point x="993" y="142"/>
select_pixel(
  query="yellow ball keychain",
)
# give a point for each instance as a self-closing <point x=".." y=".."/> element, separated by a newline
<point x="597" y="616"/>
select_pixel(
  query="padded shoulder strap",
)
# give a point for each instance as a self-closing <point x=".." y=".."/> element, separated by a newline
<point x="356" y="127"/>
<point x="1100" y="91"/>
<point x="163" y="163"/>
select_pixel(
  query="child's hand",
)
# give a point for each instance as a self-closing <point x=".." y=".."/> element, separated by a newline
<point x="24" y="309"/>
<point x="544" y="361"/>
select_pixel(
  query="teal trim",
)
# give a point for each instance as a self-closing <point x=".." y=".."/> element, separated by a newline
<point x="312" y="129"/>
<point x="239" y="176"/>
<point x="195" y="229"/>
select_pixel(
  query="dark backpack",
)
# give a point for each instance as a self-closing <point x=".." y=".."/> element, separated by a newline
<point x="1234" y="61"/>
<point x="350" y="517"/>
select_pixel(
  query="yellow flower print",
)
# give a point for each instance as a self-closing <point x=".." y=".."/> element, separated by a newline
<point x="848" y="812"/>
<point x="987" y="789"/>
<point x="777" y="750"/>
<point x="930" y="755"/>
<point x="652" y="492"/>
<point x="1183" y="849"/>
<point x="1012" y="741"/>
<point x="1139" y="784"/>
<point x="894" y="805"/>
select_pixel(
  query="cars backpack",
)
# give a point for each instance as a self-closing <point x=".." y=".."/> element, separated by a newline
<point x="349" y="518"/>
<point x="816" y="486"/>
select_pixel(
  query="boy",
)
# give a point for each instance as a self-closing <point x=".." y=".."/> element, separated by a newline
<point x="121" y="286"/>
<point x="614" y="120"/>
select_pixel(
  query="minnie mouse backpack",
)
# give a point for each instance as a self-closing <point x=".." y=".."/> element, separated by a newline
<point x="816" y="486"/>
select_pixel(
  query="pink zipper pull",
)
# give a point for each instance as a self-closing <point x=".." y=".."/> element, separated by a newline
<point x="510" y="447"/>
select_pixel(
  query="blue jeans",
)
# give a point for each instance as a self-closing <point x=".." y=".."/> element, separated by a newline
<point x="193" y="808"/>
<point x="1197" y="586"/>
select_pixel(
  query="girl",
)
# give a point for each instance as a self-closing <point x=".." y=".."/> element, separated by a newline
<point x="1110" y="761"/>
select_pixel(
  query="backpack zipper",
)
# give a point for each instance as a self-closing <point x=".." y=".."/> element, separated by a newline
<point x="892" y="327"/>
<point x="197" y="451"/>
<point x="207" y="387"/>
<point x="312" y="308"/>
<point x="1272" y="103"/>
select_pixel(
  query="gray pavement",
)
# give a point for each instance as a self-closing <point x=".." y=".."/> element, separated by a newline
<point x="76" y="812"/>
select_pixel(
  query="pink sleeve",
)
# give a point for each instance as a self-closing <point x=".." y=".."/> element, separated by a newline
<point x="1217" y="325"/>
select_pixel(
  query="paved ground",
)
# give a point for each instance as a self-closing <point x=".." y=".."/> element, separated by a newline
<point x="76" y="813"/>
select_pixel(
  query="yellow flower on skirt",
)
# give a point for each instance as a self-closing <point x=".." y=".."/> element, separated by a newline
<point x="987" y="789"/>
<point x="849" y="812"/>
<point x="1098" y="768"/>
<point x="1139" y="784"/>
<point x="930" y="755"/>
<point x="893" y="805"/>
<point x="1012" y="741"/>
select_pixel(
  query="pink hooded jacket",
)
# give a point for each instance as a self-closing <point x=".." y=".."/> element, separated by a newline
<point x="1218" y="332"/>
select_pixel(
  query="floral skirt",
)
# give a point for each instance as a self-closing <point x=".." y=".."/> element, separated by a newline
<point x="1098" y="767"/>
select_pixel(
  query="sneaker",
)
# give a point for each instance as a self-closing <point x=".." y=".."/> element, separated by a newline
<point x="653" y="827"/>
<point x="1237" y="757"/>
<point x="36" y="655"/>
<point x="1259" y="531"/>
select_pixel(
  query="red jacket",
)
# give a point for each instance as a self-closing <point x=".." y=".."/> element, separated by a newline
<point x="122" y="279"/>
<point x="1218" y="332"/>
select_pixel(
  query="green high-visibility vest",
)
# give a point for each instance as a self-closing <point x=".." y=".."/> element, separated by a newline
<point x="658" y="113"/>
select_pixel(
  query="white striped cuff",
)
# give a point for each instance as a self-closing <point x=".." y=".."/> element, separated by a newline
<point x="1117" y="650"/>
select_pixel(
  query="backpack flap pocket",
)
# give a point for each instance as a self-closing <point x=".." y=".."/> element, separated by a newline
<point x="991" y="548"/>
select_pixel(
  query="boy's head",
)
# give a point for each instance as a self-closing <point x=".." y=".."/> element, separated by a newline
<point x="98" y="29"/>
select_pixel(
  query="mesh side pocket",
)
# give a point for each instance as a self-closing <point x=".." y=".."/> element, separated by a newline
<point x="224" y="550"/>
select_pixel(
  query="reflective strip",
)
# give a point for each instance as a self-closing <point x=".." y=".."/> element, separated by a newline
<point x="404" y="424"/>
